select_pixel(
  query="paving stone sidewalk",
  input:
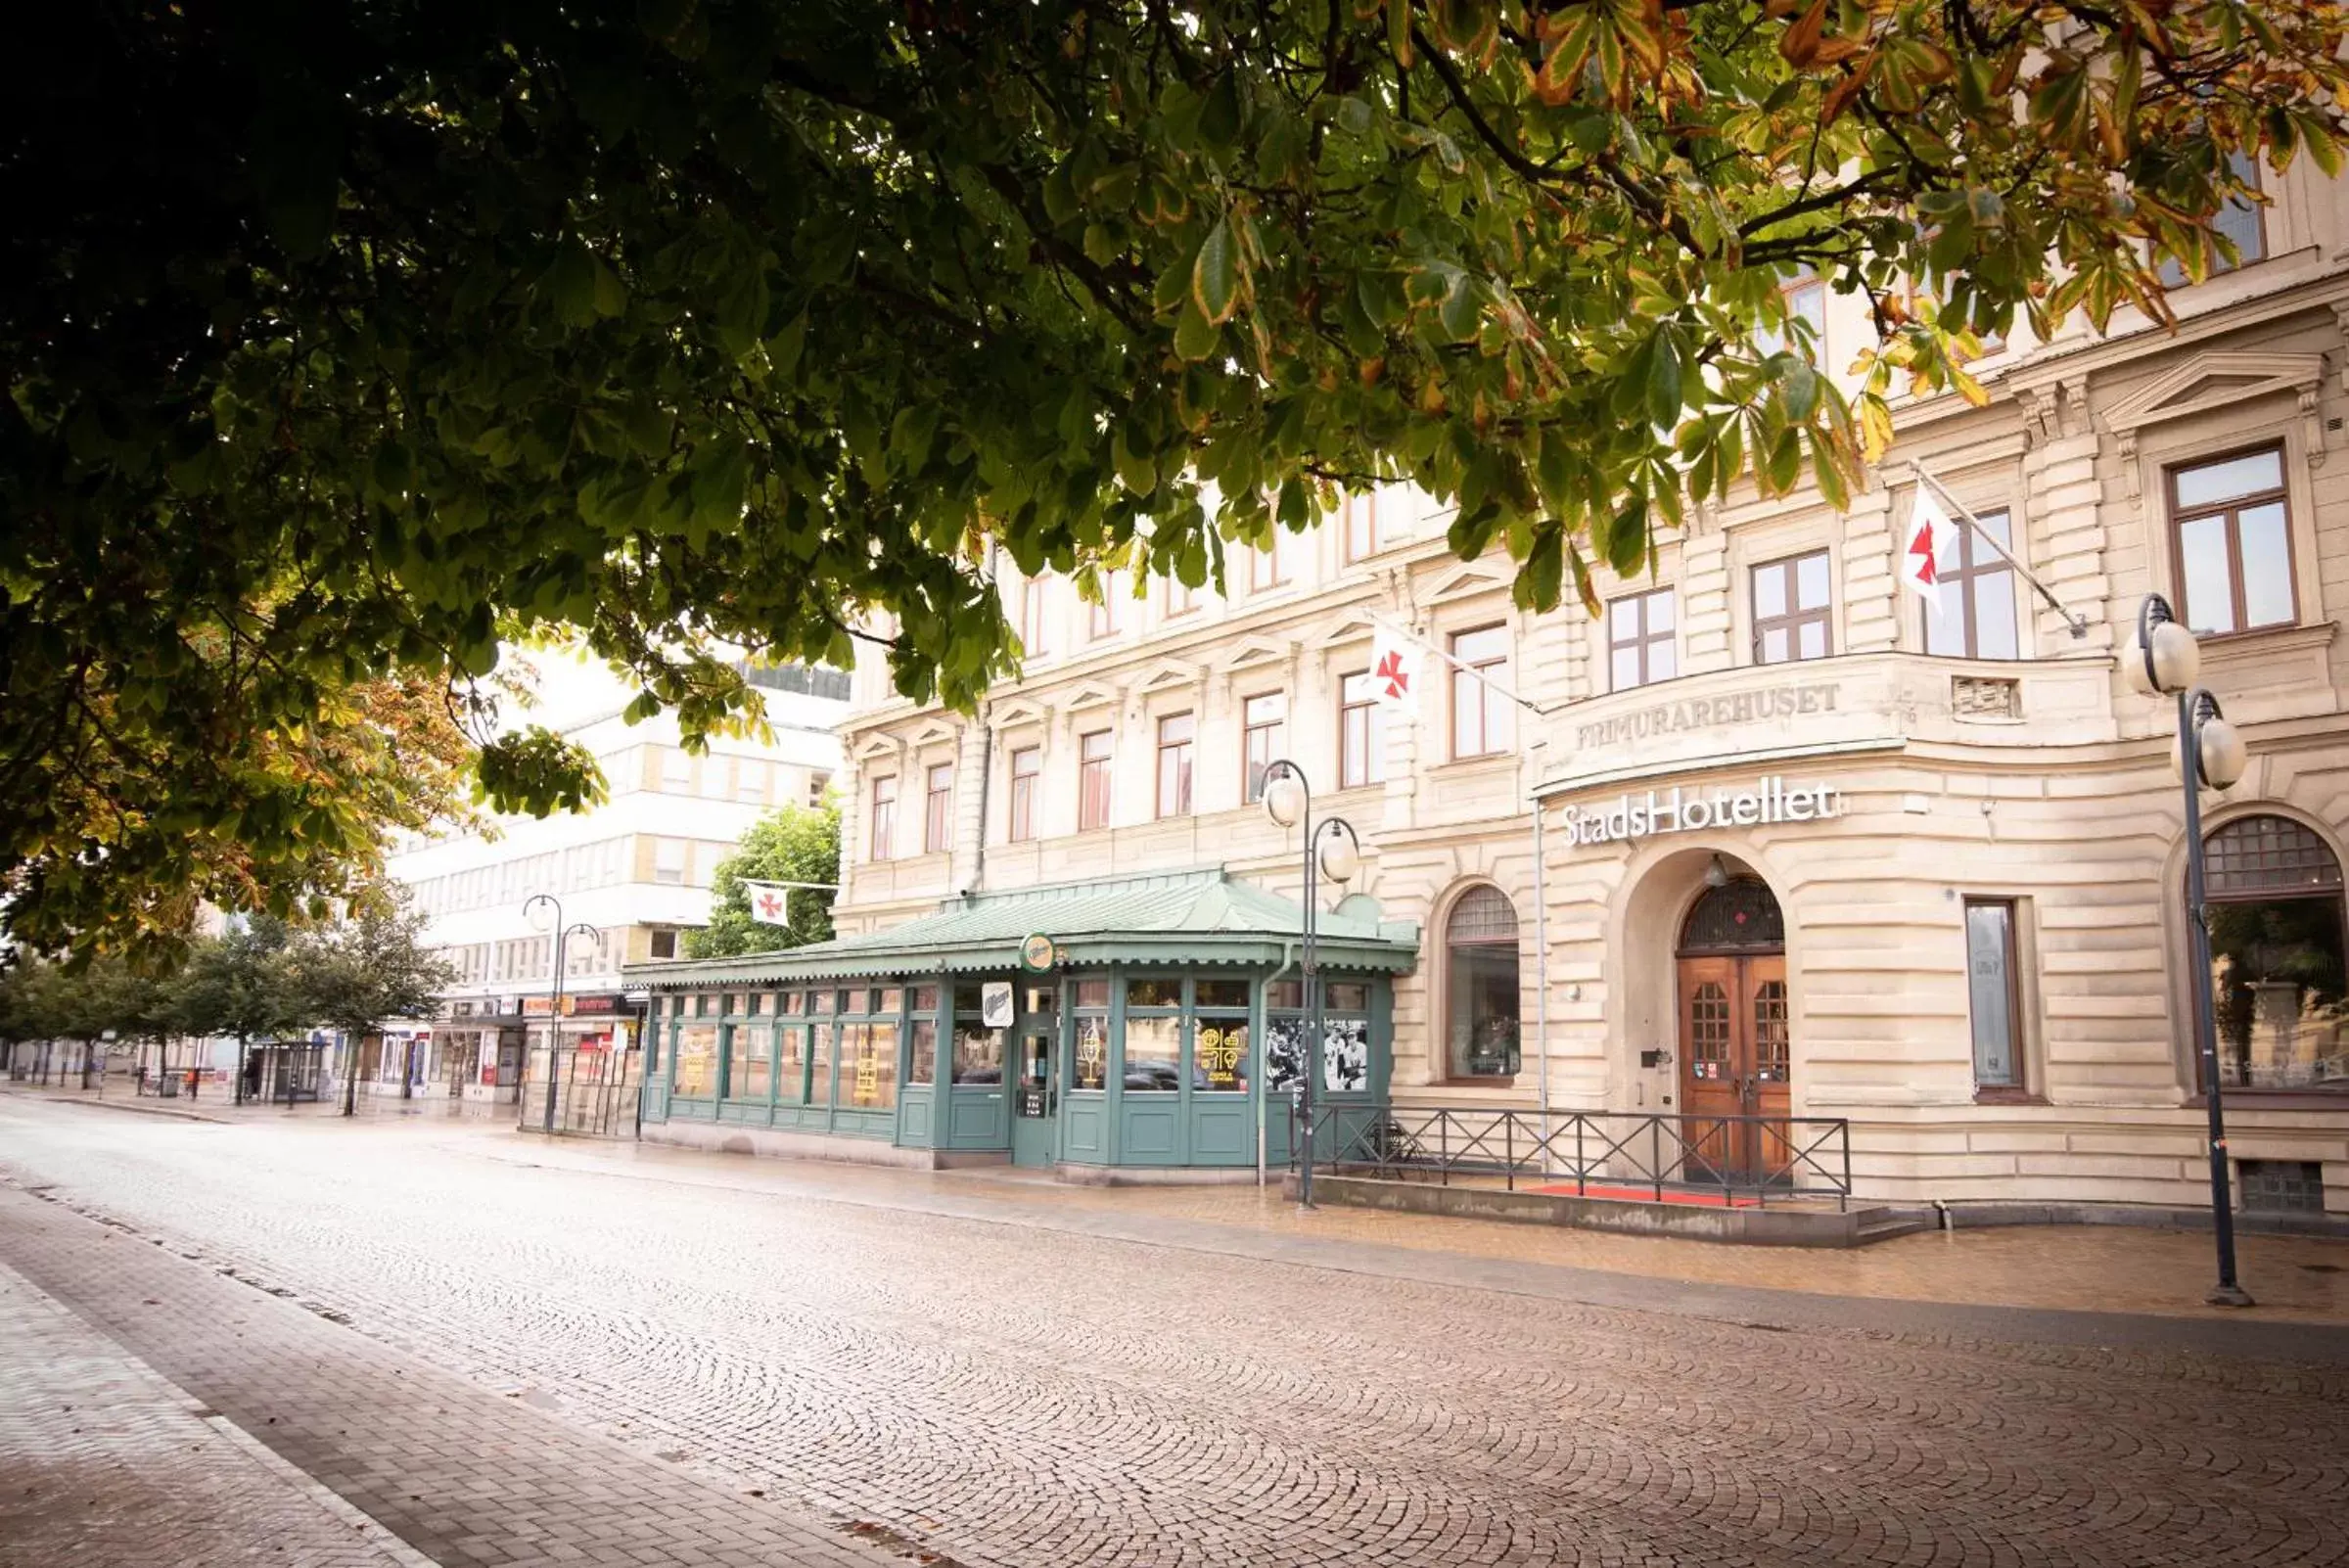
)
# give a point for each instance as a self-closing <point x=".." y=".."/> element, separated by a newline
<point x="104" y="1463"/>
<point x="460" y="1476"/>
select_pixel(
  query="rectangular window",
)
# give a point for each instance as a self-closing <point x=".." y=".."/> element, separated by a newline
<point x="1105" y="613"/>
<point x="817" y="783"/>
<point x="661" y="943"/>
<point x="1480" y="714"/>
<point x="1640" y="646"/>
<point x="937" y="811"/>
<point x="1268" y="567"/>
<point x="1181" y="598"/>
<point x="1361" y="733"/>
<point x="1805" y="298"/>
<point x="1791" y="611"/>
<point x="1990" y="989"/>
<point x="1027" y="769"/>
<point x="2233" y="536"/>
<point x="2242" y="223"/>
<point x="677" y="770"/>
<point x="1362" y="526"/>
<point x="790" y="1065"/>
<point x="1976" y="618"/>
<point x="1092" y="782"/>
<point x="822" y="1045"/>
<point x="922" y="1063"/>
<point x="747" y="1063"/>
<point x="1035" y="621"/>
<point x="669" y="861"/>
<point x="882" y="834"/>
<point x="1176" y="734"/>
<point x="1262" y="719"/>
<point x="696" y="1064"/>
<point x="868" y="1066"/>
<point x="750" y="780"/>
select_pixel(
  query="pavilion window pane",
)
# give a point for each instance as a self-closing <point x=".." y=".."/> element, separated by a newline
<point x="1153" y="1055"/>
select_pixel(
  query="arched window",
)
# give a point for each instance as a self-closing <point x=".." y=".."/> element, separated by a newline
<point x="1480" y="985"/>
<point x="2276" y="956"/>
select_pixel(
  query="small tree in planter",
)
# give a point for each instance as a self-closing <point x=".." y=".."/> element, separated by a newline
<point x="365" y="970"/>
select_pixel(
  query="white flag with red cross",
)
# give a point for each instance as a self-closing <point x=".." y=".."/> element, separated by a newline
<point x="770" y="902"/>
<point x="1394" y="669"/>
<point x="1932" y="532"/>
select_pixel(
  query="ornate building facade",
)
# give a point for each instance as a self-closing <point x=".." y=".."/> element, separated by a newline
<point x="1770" y="833"/>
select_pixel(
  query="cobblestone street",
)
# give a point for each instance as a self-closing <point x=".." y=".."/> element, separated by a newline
<point x="417" y="1314"/>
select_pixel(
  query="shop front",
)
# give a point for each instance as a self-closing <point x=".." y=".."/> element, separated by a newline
<point x="1136" y="1029"/>
<point x="586" y="1044"/>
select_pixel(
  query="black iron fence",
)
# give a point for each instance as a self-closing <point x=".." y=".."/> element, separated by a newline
<point x="1590" y="1153"/>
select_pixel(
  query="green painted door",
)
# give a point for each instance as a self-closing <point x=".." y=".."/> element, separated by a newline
<point x="1035" y="1089"/>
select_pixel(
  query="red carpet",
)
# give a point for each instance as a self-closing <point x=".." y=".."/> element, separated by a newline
<point x="1703" y="1199"/>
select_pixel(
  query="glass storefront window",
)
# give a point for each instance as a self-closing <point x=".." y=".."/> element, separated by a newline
<point x="923" y="1063"/>
<point x="747" y="1063"/>
<point x="758" y="1004"/>
<point x="868" y="1066"/>
<point x="1219" y="1053"/>
<point x="795" y="1002"/>
<point x="1092" y="994"/>
<point x="978" y="1053"/>
<point x="729" y="1004"/>
<point x="888" y="1000"/>
<point x="1154" y="994"/>
<point x="821" y="1040"/>
<point x="1222" y="993"/>
<point x="822" y="1001"/>
<point x="1091" y="1064"/>
<point x="696" y="1062"/>
<point x="1153" y="1054"/>
<point x="1346" y="996"/>
<point x="925" y="999"/>
<point x="790" y="1065"/>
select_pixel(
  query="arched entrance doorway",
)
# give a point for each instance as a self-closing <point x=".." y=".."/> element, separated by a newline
<point x="1736" y="1061"/>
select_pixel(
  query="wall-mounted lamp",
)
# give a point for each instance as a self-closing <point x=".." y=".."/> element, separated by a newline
<point x="1717" y="875"/>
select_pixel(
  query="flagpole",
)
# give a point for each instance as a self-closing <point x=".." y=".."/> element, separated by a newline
<point x="1470" y="671"/>
<point x="2077" y="624"/>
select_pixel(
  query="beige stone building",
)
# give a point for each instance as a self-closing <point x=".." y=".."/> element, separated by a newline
<point x="1809" y="845"/>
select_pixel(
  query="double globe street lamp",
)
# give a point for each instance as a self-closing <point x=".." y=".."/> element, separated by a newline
<point x="1333" y="849"/>
<point x="550" y="918"/>
<point x="2164" y="662"/>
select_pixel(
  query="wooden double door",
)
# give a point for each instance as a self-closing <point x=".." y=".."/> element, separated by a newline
<point x="1736" y="1066"/>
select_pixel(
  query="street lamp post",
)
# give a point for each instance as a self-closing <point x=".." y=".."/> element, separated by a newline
<point x="1335" y="849"/>
<point x="2164" y="661"/>
<point x="554" y="1021"/>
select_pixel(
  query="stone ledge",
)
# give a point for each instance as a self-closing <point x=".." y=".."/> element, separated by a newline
<point x="1753" y="1226"/>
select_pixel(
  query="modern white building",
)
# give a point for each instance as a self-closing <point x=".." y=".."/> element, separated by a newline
<point x="636" y="870"/>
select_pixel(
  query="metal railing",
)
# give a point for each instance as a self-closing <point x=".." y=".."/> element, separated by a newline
<point x="1621" y="1153"/>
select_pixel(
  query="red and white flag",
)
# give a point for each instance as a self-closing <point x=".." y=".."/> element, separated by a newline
<point x="1394" y="669"/>
<point x="770" y="902"/>
<point x="1932" y="532"/>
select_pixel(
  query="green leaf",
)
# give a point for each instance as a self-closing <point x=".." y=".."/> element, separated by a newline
<point x="1798" y="381"/>
<point x="1664" y="383"/>
<point x="1216" y="275"/>
<point x="1195" y="337"/>
<point x="1460" y="309"/>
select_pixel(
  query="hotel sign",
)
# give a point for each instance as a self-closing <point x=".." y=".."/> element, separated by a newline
<point x="1709" y="712"/>
<point x="1684" y="811"/>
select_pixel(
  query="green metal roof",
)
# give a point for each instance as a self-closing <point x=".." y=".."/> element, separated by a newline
<point x="1195" y="917"/>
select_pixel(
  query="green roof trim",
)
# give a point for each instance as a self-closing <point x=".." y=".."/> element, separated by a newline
<point x="1192" y="917"/>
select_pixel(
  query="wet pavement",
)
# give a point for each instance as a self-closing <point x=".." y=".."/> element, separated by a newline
<point x="1016" y="1372"/>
